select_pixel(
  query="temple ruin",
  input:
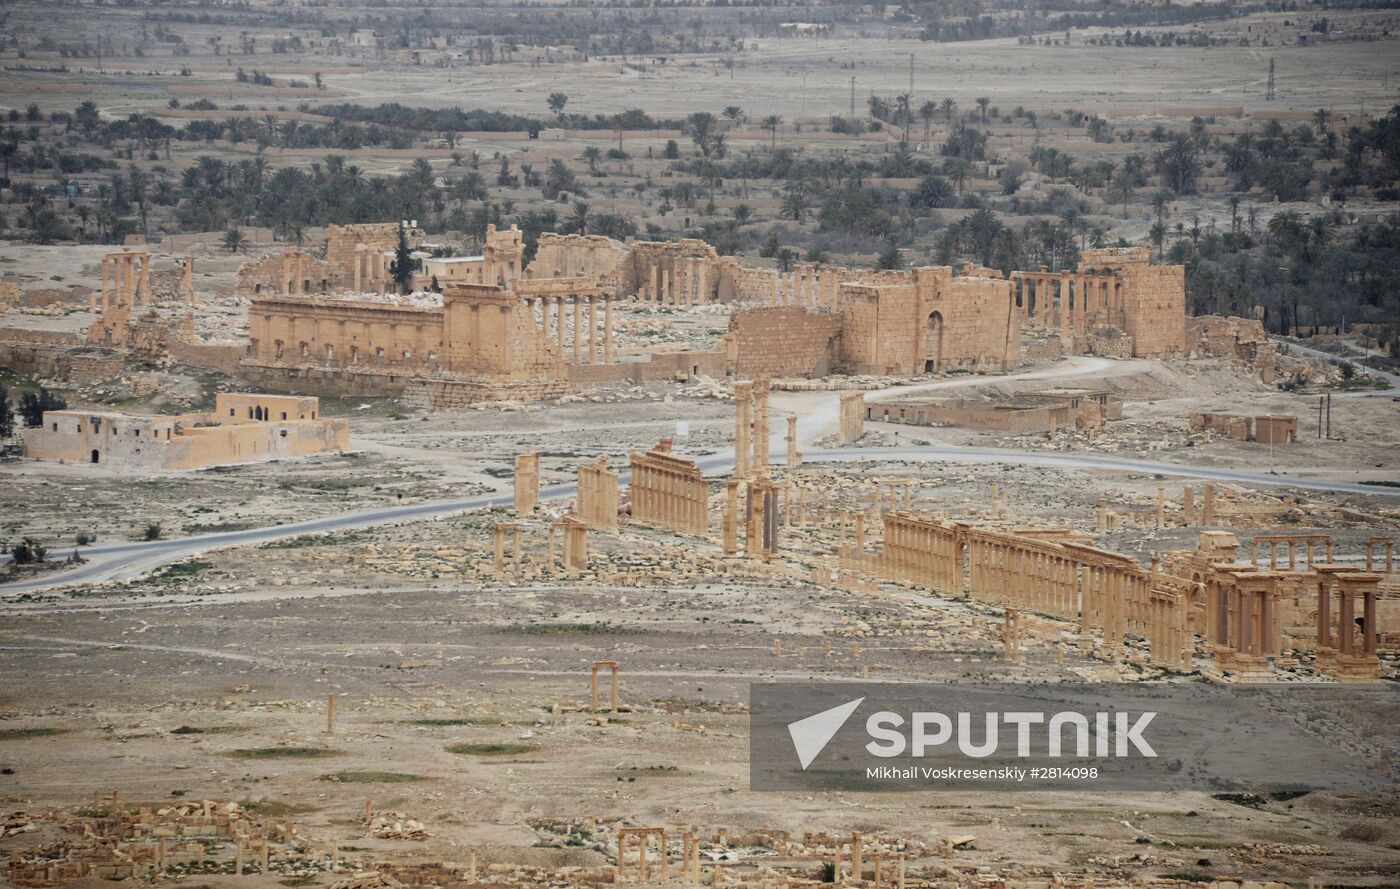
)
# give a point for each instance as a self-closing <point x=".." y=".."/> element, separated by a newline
<point x="489" y="327"/>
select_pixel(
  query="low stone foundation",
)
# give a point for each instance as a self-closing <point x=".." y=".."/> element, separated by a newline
<point x="445" y="395"/>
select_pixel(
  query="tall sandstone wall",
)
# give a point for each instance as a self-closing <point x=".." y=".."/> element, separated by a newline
<point x="1154" y="310"/>
<point x="785" y="341"/>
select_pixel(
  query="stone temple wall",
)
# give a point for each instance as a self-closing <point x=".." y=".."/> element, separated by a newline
<point x="785" y="341"/>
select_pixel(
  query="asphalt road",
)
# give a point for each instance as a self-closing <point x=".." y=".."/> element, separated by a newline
<point x="121" y="561"/>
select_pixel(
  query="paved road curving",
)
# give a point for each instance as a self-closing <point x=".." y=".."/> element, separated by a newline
<point x="127" y="560"/>
<point x="121" y="561"/>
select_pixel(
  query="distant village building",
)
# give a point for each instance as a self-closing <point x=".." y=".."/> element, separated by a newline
<point x="242" y="428"/>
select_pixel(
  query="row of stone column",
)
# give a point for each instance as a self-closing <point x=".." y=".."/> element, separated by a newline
<point x="597" y="495"/>
<point x="921" y="551"/>
<point x="685" y="282"/>
<point x="807" y="285"/>
<point x="669" y="498"/>
<point x="1242" y="619"/>
<point x="1340" y="652"/>
<point x="752" y="453"/>
<point x="369" y="270"/>
<point x="568" y="326"/>
<point x="126" y="279"/>
<point x="1290" y="543"/>
<point x="1065" y="300"/>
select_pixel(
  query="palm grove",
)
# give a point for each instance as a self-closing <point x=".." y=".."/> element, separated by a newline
<point x="77" y="176"/>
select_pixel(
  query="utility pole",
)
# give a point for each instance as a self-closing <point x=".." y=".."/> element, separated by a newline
<point x="911" y="78"/>
<point x="1269" y="91"/>
<point x="853" y="98"/>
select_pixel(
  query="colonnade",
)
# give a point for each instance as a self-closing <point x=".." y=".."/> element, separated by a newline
<point x="568" y="326"/>
<point x="807" y="285"/>
<point x="678" y="281"/>
<point x="1347" y="652"/>
<point x="126" y="279"/>
<point x="597" y="495"/>
<point x="1066" y="300"/>
<point x="1099" y="590"/>
<point x="1290" y="542"/>
<point x="668" y="491"/>
<point x="369" y="270"/>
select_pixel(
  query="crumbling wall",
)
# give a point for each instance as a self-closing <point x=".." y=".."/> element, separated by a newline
<point x="1233" y="338"/>
<point x="565" y="256"/>
<point x="741" y="283"/>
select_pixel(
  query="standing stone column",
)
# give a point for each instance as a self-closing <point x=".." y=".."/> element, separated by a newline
<point x="743" y="405"/>
<point x="593" y="329"/>
<point x="761" y="454"/>
<point x="578" y="328"/>
<point x="146" y="279"/>
<point x="731" y="517"/>
<point x="607" y="330"/>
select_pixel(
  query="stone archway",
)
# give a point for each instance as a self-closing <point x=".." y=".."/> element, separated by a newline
<point x="96" y="457"/>
<point x="933" y="343"/>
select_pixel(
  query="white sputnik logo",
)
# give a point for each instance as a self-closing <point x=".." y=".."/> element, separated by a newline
<point x="811" y="734"/>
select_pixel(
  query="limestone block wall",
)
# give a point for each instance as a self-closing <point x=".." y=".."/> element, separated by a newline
<point x="563" y="256"/>
<point x="324" y="381"/>
<point x="980" y="331"/>
<point x="741" y="283"/>
<point x="785" y="341"/>
<point x="863" y="349"/>
<point x="448" y="394"/>
<point x="59" y="356"/>
<point x="976" y="415"/>
<point x="275" y="275"/>
<point x="345" y="333"/>
<point x="1154" y="310"/>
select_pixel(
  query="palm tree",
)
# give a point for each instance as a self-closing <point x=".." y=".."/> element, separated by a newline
<point x="982" y="103"/>
<point x="592" y="155"/>
<point x="795" y="205"/>
<point x="1159" y="203"/>
<point x="733" y="112"/>
<point x="927" y="111"/>
<point x="1320" y="230"/>
<point x="1123" y="185"/>
<point x="1322" y="118"/>
<point x="578" y="219"/>
<point x="949" y="105"/>
<point x="234" y="241"/>
<point x="771" y="124"/>
<point x="957" y="169"/>
<point x="1158" y="234"/>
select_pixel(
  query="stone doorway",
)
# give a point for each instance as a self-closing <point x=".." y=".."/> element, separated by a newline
<point x="933" y="343"/>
